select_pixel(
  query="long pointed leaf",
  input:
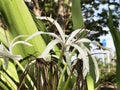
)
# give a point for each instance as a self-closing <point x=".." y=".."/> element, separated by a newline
<point x="77" y="14"/>
<point x="20" y="22"/>
<point x="90" y="83"/>
<point x="116" y="39"/>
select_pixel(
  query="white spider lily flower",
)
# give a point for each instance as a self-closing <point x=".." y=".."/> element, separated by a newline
<point x="66" y="42"/>
<point x="65" y="39"/>
<point x="6" y="54"/>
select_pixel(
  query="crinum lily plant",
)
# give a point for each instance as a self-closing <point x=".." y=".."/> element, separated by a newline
<point x="65" y="56"/>
<point x="66" y="42"/>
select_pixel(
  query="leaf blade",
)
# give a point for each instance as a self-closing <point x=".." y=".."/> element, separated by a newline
<point x="77" y="14"/>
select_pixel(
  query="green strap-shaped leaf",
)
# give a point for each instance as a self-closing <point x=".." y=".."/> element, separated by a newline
<point x="3" y="85"/>
<point x="90" y="82"/>
<point x="12" y="72"/>
<point x="77" y="14"/>
<point x="19" y="21"/>
<point x="8" y="75"/>
<point x="116" y="38"/>
<point x="6" y="79"/>
<point x="41" y="27"/>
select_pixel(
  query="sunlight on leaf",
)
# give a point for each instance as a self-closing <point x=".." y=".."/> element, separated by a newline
<point x="90" y="83"/>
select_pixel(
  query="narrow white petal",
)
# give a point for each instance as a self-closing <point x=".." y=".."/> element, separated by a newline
<point x="16" y="57"/>
<point x="49" y="47"/>
<point x="83" y="40"/>
<point x="20" y="36"/>
<point x="4" y="53"/>
<point x="34" y="35"/>
<point x="73" y="34"/>
<point x="6" y="62"/>
<point x="20" y="42"/>
<point x="96" y="43"/>
<point x="56" y="24"/>
<point x="68" y="60"/>
<point x="96" y="68"/>
<point x="95" y="64"/>
<point x="41" y="32"/>
<point x="83" y="55"/>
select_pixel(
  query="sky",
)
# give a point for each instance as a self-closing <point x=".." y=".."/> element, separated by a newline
<point x="109" y="40"/>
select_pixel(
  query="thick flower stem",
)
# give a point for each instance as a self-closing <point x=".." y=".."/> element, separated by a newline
<point x="61" y="77"/>
<point x="61" y="55"/>
<point x="67" y="82"/>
